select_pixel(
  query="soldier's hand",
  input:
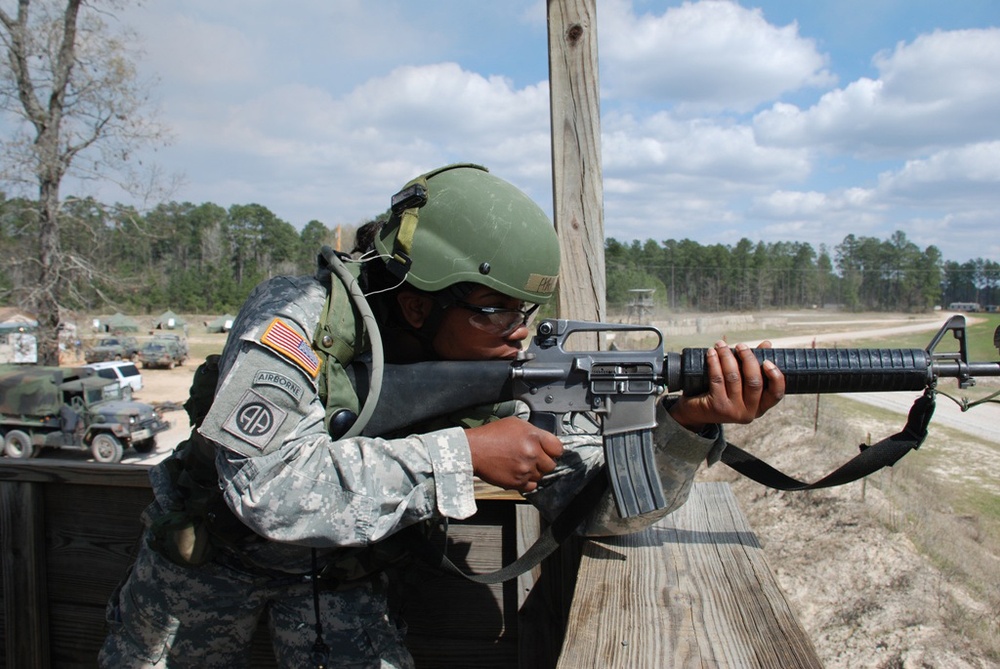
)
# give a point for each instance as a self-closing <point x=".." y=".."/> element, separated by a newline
<point x="737" y="392"/>
<point x="512" y="453"/>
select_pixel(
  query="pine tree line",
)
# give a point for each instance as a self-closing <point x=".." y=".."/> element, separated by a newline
<point x="206" y="259"/>
<point x="186" y="257"/>
<point x="860" y="273"/>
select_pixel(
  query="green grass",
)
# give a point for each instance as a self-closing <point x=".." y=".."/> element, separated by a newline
<point x="204" y="346"/>
<point x="979" y="339"/>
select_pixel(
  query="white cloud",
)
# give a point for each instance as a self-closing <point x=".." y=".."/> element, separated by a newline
<point x="709" y="54"/>
<point x="324" y="110"/>
<point x="938" y="90"/>
<point x="661" y="144"/>
<point x="383" y="132"/>
<point x="948" y="177"/>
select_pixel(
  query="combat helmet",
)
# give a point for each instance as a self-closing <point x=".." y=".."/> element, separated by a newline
<point x="460" y="224"/>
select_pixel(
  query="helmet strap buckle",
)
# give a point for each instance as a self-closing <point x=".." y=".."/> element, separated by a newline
<point x="399" y="264"/>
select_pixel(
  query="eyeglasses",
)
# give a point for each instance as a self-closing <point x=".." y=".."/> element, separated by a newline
<point x="497" y="320"/>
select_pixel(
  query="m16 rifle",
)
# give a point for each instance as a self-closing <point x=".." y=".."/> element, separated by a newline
<point x="621" y="387"/>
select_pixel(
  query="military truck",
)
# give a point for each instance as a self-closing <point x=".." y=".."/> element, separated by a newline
<point x="119" y="347"/>
<point x="71" y="408"/>
<point x="164" y="351"/>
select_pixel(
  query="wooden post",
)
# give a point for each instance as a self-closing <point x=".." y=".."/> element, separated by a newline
<point x="577" y="190"/>
<point x="22" y="561"/>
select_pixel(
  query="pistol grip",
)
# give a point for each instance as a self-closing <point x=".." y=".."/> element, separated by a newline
<point x="635" y="482"/>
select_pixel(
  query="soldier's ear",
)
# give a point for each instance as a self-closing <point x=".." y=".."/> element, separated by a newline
<point x="415" y="307"/>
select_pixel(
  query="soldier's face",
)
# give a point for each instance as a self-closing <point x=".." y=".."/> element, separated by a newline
<point x="462" y="335"/>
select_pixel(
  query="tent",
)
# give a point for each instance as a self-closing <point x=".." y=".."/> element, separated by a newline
<point x="120" y="323"/>
<point x="168" y="320"/>
<point x="221" y="324"/>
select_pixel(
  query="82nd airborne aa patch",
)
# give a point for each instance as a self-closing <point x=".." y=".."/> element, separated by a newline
<point x="289" y="343"/>
<point x="255" y="420"/>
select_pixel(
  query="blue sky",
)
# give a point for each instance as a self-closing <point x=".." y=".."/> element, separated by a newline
<point x="772" y="120"/>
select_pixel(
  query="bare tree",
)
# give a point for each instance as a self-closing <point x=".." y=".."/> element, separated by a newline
<point x="77" y="109"/>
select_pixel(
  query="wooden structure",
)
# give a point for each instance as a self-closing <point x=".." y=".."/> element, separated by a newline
<point x="693" y="590"/>
<point x="640" y="305"/>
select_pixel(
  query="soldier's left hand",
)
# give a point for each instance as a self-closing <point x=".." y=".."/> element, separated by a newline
<point x="737" y="390"/>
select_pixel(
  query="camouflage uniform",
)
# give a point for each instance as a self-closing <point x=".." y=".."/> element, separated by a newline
<point x="285" y="478"/>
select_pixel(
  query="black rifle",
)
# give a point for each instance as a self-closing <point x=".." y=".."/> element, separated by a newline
<point x="622" y="387"/>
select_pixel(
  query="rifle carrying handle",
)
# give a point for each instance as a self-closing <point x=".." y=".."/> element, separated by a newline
<point x="817" y="370"/>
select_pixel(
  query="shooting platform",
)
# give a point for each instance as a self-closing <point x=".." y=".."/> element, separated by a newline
<point x="693" y="590"/>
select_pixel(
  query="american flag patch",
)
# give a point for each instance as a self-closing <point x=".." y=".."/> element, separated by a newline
<point x="290" y="344"/>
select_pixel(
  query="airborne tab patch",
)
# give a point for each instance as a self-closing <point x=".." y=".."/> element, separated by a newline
<point x="286" y="341"/>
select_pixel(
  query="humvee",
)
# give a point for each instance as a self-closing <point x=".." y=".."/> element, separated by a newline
<point x="113" y="348"/>
<point x="163" y="350"/>
<point x="71" y="408"/>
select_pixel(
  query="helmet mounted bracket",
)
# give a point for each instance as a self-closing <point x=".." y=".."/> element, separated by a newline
<point x="405" y="208"/>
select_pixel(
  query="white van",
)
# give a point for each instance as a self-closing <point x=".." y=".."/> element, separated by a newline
<point x="125" y="373"/>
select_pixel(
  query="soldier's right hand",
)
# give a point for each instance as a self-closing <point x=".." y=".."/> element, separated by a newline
<point x="512" y="453"/>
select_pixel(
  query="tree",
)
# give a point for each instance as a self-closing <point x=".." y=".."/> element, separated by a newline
<point x="78" y="107"/>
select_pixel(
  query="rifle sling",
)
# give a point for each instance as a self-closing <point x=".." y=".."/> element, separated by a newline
<point x="871" y="458"/>
<point x="550" y="538"/>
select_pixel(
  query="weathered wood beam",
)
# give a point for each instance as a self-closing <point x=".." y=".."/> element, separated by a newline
<point x="577" y="189"/>
<point x="22" y="562"/>
<point x="693" y="590"/>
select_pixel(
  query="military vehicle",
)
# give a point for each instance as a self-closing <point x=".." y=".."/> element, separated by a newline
<point x="119" y="347"/>
<point x="71" y="408"/>
<point x="165" y="351"/>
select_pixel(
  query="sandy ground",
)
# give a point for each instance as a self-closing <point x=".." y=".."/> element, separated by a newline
<point x="866" y="595"/>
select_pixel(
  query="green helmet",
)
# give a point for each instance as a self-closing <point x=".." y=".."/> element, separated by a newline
<point x="461" y="224"/>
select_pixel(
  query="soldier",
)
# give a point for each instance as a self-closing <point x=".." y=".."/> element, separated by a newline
<point x="274" y="508"/>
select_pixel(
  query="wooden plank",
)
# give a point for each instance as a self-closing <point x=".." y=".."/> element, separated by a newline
<point x="93" y="530"/>
<point x="485" y="491"/>
<point x="693" y="590"/>
<point x="82" y="473"/>
<point x="577" y="189"/>
<point x="544" y="596"/>
<point x="22" y="561"/>
<point x="137" y="476"/>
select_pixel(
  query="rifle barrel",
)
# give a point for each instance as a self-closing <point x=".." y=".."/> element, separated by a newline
<point x="819" y="370"/>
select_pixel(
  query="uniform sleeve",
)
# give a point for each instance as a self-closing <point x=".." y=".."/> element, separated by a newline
<point x="288" y="480"/>
<point x="679" y="454"/>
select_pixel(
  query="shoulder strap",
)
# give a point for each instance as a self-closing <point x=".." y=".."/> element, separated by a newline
<point x="339" y="333"/>
<point x="338" y="339"/>
<point x="871" y="458"/>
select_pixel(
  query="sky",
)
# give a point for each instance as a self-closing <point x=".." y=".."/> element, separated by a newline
<point x="771" y="120"/>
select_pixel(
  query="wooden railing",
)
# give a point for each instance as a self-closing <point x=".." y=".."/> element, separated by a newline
<point x="693" y="590"/>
